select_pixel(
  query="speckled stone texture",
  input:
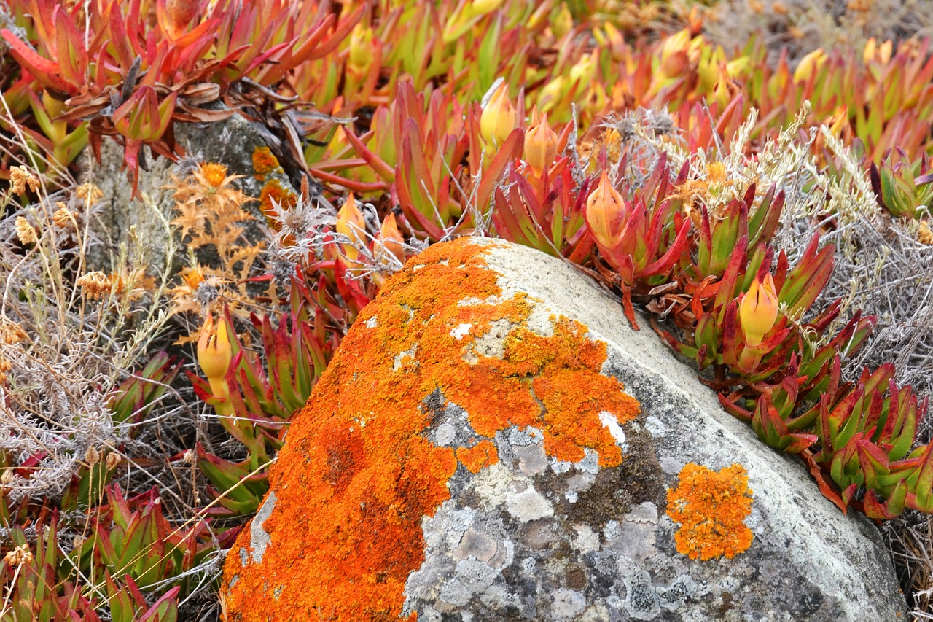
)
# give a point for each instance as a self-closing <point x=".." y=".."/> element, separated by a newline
<point x="534" y="538"/>
<point x="230" y="142"/>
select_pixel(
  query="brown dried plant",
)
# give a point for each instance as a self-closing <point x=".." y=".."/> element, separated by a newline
<point x="68" y="335"/>
<point x="221" y="239"/>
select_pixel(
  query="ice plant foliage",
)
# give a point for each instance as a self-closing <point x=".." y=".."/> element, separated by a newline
<point x="422" y="122"/>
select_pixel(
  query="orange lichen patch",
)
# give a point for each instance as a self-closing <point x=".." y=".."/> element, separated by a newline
<point x="358" y="473"/>
<point x="479" y="456"/>
<point x="264" y="162"/>
<point x="711" y="507"/>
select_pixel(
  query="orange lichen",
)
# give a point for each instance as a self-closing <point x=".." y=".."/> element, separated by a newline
<point x="711" y="507"/>
<point x="264" y="162"/>
<point x="479" y="456"/>
<point x="358" y="473"/>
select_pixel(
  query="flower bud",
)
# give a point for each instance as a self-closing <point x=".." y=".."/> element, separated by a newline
<point x="214" y="352"/>
<point x="674" y="44"/>
<point x="603" y="208"/>
<point x="562" y="22"/>
<point x="361" y="48"/>
<point x="540" y="144"/>
<point x="584" y="70"/>
<point x="481" y="7"/>
<point x="350" y="223"/>
<point x="214" y="356"/>
<point x="498" y="118"/>
<point x="552" y="93"/>
<point x="391" y="239"/>
<point x="809" y="64"/>
<point x="175" y="15"/>
<point x="758" y="310"/>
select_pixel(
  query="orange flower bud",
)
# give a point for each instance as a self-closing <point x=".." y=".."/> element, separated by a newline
<point x="391" y="239"/>
<point x="540" y="144"/>
<point x="603" y="208"/>
<point x="350" y="223"/>
<point x="758" y="310"/>
<point x="175" y="15"/>
<point x="499" y="117"/>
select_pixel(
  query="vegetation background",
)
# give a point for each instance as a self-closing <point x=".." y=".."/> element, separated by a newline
<point x="753" y="175"/>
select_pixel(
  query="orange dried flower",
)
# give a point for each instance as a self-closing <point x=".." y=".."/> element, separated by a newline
<point x="273" y="194"/>
<point x="214" y="174"/>
<point x="925" y="234"/>
<point x="192" y="276"/>
<point x="711" y="507"/>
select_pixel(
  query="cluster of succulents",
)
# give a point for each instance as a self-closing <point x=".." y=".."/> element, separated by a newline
<point x="620" y="138"/>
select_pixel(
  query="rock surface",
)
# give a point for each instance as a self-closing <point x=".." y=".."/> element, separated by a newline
<point x="474" y="452"/>
<point x="230" y="142"/>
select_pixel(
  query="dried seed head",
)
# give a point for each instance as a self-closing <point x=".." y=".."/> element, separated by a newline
<point x="63" y="217"/>
<point x="11" y="332"/>
<point x="18" y="556"/>
<point x="25" y="232"/>
<point x="95" y="284"/>
<point x="924" y="233"/>
<point x="22" y="178"/>
<point x="91" y="456"/>
<point x="113" y="460"/>
<point x="89" y="193"/>
<point x="7" y="478"/>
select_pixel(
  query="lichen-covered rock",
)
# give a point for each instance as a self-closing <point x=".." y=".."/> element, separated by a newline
<point x="493" y="442"/>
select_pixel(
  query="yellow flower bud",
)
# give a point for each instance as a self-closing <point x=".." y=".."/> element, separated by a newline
<point x="809" y="64"/>
<point x="603" y="208"/>
<point x="214" y="352"/>
<point x="869" y="53"/>
<point x="499" y="117"/>
<point x="361" y="48"/>
<point x="481" y="7"/>
<point x="540" y="144"/>
<point x="758" y="310"/>
<point x="675" y="43"/>
<point x="214" y="356"/>
<point x="585" y="69"/>
<point x="350" y="223"/>
<point x="552" y="93"/>
<point x="562" y="22"/>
